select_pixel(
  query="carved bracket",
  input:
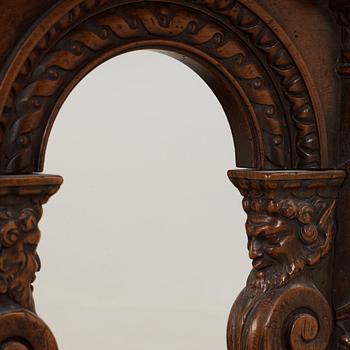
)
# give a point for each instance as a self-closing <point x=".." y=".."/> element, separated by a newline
<point x="21" y="199"/>
<point x="290" y="228"/>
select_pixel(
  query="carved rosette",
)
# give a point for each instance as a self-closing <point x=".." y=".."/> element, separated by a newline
<point x="21" y="200"/>
<point x="290" y="227"/>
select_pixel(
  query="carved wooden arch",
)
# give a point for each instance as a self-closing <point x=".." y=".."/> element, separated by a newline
<point x="271" y="104"/>
<point x="278" y="111"/>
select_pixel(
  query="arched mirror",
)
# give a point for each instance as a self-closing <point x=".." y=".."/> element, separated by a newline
<point x="144" y="244"/>
<point x="143" y="106"/>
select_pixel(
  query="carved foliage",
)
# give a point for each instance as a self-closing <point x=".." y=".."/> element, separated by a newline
<point x="21" y="199"/>
<point x="67" y="48"/>
<point x="290" y="228"/>
<point x="20" y="212"/>
<point x="19" y="237"/>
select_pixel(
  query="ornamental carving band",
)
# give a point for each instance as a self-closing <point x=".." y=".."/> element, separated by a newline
<point x="254" y="64"/>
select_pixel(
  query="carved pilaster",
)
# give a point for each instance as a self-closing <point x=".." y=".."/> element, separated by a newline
<point x="341" y="282"/>
<point x="290" y="228"/>
<point x="21" y="200"/>
<point x="341" y="10"/>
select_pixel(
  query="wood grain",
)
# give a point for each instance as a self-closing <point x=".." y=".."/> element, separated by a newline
<point x="286" y="100"/>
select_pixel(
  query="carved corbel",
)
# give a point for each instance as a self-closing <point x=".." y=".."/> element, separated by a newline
<point x="21" y="200"/>
<point x="341" y="281"/>
<point x="290" y="227"/>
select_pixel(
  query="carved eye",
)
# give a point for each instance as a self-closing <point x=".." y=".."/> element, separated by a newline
<point x="305" y="215"/>
<point x="273" y="239"/>
<point x="273" y="207"/>
<point x="289" y="209"/>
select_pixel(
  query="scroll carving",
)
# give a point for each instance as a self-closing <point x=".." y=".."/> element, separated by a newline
<point x="283" y="120"/>
<point x="290" y="228"/>
<point x="21" y="201"/>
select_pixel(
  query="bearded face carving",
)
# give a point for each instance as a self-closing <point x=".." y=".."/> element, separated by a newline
<point x="19" y="237"/>
<point x="290" y="227"/>
<point x="284" y="236"/>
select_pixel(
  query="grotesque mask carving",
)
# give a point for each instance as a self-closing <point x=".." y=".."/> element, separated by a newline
<point x="290" y="227"/>
<point x="19" y="237"/>
<point x="284" y="235"/>
<point x="290" y="222"/>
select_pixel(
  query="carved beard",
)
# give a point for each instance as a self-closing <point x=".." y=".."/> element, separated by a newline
<point x="275" y="276"/>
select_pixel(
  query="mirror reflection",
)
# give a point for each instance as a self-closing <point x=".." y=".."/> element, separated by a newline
<point x="144" y="245"/>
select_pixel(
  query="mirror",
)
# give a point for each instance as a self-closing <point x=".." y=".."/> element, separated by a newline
<point x="144" y="245"/>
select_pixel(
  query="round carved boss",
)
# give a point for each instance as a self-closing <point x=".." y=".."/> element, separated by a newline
<point x="274" y="118"/>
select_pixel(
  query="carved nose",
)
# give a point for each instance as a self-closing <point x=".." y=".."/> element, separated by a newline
<point x="254" y="250"/>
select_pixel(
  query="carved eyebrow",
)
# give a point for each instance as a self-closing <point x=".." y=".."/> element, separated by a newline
<point x="259" y="219"/>
<point x="259" y="224"/>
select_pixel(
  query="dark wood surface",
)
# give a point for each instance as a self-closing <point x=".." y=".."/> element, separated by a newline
<point x="281" y="70"/>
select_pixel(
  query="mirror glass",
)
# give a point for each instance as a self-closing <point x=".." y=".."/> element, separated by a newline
<point x="144" y="246"/>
